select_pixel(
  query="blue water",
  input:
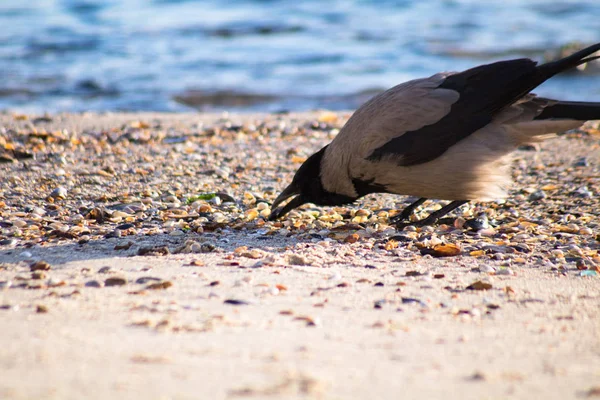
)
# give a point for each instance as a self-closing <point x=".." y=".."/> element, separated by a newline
<point x="67" y="55"/>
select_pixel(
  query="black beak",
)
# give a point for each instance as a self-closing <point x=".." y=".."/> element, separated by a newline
<point x="289" y="191"/>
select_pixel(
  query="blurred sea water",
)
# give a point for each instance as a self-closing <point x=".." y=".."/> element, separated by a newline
<point x="268" y="55"/>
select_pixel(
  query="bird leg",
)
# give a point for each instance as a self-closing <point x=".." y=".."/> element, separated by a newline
<point x="406" y="213"/>
<point x="434" y="216"/>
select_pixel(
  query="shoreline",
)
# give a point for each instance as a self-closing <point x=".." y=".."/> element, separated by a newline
<point x="118" y="279"/>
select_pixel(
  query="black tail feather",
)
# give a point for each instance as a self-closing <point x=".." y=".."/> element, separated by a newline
<point x="541" y="73"/>
<point x="577" y="110"/>
<point x="580" y="57"/>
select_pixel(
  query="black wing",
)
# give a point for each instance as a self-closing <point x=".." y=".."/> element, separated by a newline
<point x="484" y="91"/>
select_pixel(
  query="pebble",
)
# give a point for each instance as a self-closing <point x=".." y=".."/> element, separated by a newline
<point x="505" y="271"/>
<point x="124" y="227"/>
<point x="55" y="282"/>
<point x="41" y="309"/>
<point x="488" y="269"/>
<point x="537" y="195"/>
<point x="115" y="281"/>
<point x="59" y="193"/>
<point x="38" y="275"/>
<point x="38" y="211"/>
<point x="160" y="285"/>
<point x="146" y="279"/>
<point x="478" y="223"/>
<point x="297" y="259"/>
<point x="236" y="302"/>
<point x="583" y="192"/>
<point x="207" y="247"/>
<point x="40" y="266"/>
<point x="19" y="223"/>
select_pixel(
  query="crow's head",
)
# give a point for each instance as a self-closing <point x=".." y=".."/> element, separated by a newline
<point x="308" y="188"/>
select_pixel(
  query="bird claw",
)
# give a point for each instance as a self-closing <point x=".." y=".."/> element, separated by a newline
<point x="401" y="225"/>
<point x="398" y="218"/>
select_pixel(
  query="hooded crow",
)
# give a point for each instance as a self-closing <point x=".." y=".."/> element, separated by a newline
<point x="449" y="137"/>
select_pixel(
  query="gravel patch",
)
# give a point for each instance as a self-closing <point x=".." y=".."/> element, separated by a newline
<point x="196" y="180"/>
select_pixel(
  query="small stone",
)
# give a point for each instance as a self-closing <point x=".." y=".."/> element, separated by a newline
<point x="412" y="300"/>
<point x="59" y="193"/>
<point x="160" y="285"/>
<point x="297" y="259"/>
<point x="478" y="376"/>
<point x="537" y="195"/>
<point x="505" y="271"/>
<point x="195" y="247"/>
<point x="38" y="275"/>
<point x="583" y="192"/>
<point x="8" y="242"/>
<point x="488" y="269"/>
<point x="478" y="223"/>
<point x="479" y="285"/>
<point x="146" y="279"/>
<point x="443" y="250"/>
<point x="19" y="223"/>
<point x="207" y="247"/>
<point x="39" y="266"/>
<point x="39" y="211"/>
<point x="115" y="281"/>
<point x="487" y="232"/>
<point x="379" y="304"/>
<point x="94" y="284"/>
<point x="124" y="227"/>
<point x="54" y="282"/>
<point x="35" y="285"/>
<point x="254" y="254"/>
<point x="353" y="238"/>
<point x="105" y="270"/>
<point x="41" y="309"/>
<point x="236" y="302"/>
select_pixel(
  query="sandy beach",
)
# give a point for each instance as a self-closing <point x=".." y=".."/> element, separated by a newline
<point x="136" y="262"/>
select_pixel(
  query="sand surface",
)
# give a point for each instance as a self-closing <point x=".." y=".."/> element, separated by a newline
<point x="338" y="321"/>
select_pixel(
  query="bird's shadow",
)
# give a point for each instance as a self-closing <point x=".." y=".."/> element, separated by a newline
<point x="64" y="251"/>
